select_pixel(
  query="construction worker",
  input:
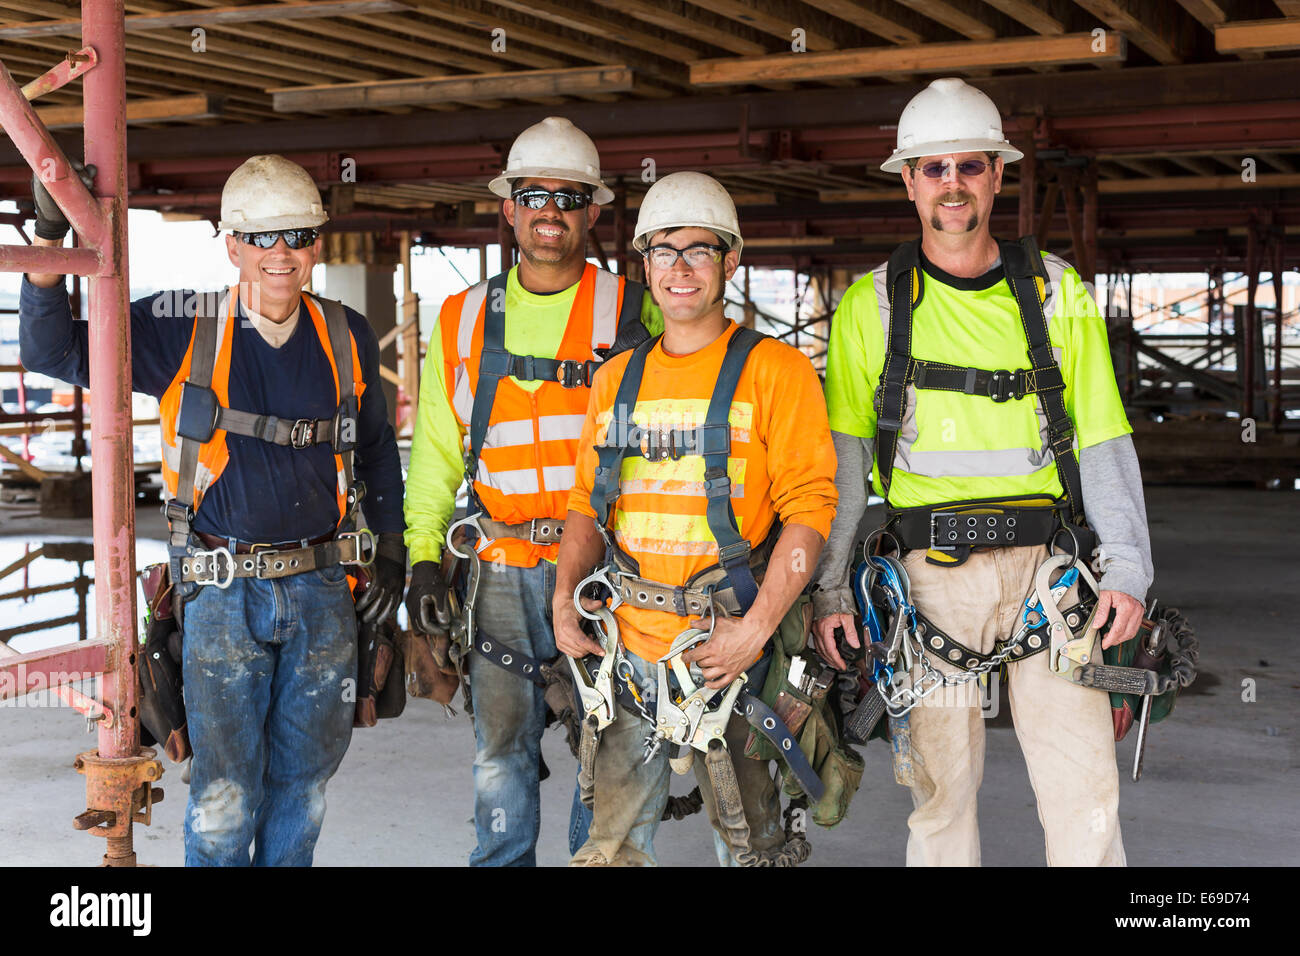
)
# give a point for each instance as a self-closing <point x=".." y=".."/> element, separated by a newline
<point x="646" y="497"/>
<point x="506" y="380"/>
<point x="265" y="416"/>
<point x="981" y="470"/>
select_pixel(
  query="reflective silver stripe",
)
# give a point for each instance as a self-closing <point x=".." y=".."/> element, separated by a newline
<point x="558" y="477"/>
<point x="462" y="399"/>
<point x="984" y="463"/>
<point x="469" y="311"/>
<point x="560" y="427"/>
<point x="508" y="434"/>
<point x="522" y="481"/>
<point x="604" y="326"/>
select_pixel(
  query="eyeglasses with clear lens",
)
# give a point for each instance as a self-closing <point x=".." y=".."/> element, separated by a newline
<point x="535" y="197"/>
<point x="969" y="167"/>
<point x="696" y="255"/>
<point x="293" y="238"/>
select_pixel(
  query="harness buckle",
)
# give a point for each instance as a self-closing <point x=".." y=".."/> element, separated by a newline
<point x="660" y="445"/>
<point x="1005" y="384"/>
<point x="571" y="373"/>
<point x="365" y="544"/>
<point x="303" y="433"/>
<point x="548" y="524"/>
<point x="934" y="531"/>
<point x="199" y="563"/>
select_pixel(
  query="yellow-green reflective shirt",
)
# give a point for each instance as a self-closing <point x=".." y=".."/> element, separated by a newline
<point x="534" y="326"/>
<point x="976" y="325"/>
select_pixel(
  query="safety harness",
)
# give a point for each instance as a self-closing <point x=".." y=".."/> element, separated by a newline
<point x="688" y="715"/>
<point x="949" y="531"/>
<point x="201" y="415"/>
<point x="496" y="363"/>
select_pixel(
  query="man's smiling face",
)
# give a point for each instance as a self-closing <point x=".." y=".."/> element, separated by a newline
<point x="954" y="201"/>
<point x="548" y="235"/>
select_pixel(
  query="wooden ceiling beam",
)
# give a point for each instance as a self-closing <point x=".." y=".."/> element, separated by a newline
<point x="1257" y="36"/>
<point x="1206" y="12"/>
<point x="160" y="109"/>
<point x="927" y="58"/>
<point x="775" y="19"/>
<point x="700" y="29"/>
<point x="190" y="18"/>
<point x="420" y="91"/>
<point x="961" y="18"/>
<point x="1156" y="27"/>
<point x="1031" y="14"/>
<point x="874" y="16"/>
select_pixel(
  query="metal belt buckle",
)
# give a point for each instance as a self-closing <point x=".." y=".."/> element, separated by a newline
<point x="365" y="543"/>
<point x="216" y="554"/>
<point x="553" y="523"/>
<point x="303" y="433"/>
<point x="657" y="445"/>
<point x="934" y="515"/>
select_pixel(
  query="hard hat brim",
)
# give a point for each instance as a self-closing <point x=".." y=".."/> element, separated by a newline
<point x="600" y="195"/>
<point x="274" y="223"/>
<point x="895" y="163"/>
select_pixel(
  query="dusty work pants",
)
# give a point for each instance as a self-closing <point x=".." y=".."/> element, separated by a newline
<point x="514" y="610"/>
<point x="1065" y="731"/>
<point x="630" y="795"/>
<point x="270" y="678"/>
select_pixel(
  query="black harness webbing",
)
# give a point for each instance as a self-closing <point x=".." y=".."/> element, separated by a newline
<point x="712" y="441"/>
<point x="1027" y="279"/>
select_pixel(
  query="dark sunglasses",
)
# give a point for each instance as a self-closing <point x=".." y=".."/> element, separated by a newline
<point x="970" y="167"/>
<point x="293" y="238"/>
<point x="535" y="197"/>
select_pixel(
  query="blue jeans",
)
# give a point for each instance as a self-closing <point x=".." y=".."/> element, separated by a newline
<point x="631" y="794"/>
<point x="270" y="684"/>
<point x="514" y="609"/>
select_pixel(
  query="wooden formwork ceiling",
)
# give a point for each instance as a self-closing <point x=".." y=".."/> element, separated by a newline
<point x="403" y="110"/>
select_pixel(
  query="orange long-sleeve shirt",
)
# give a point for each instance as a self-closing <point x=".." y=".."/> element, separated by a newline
<point x="782" y="465"/>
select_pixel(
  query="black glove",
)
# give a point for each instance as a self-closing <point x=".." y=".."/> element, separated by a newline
<point x="50" y="221"/>
<point x="426" y="601"/>
<point x="387" y="578"/>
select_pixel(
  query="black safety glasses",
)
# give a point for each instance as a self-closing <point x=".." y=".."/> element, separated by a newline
<point x="535" y="197"/>
<point x="970" y="167"/>
<point x="293" y="238"/>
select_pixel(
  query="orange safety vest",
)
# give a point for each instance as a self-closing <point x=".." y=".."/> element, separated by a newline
<point x="213" y="454"/>
<point x="525" y="469"/>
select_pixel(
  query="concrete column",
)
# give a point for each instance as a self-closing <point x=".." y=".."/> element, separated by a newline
<point x="368" y="288"/>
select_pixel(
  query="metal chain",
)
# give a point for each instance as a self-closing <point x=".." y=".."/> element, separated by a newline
<point x="909" y="696"/>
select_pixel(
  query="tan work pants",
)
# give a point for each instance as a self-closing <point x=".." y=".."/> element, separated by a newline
<point x="1065" y="731"/>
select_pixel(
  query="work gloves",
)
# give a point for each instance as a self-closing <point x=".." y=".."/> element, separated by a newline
<point x="50" y="221"/>
<point x="426" y="601"/>
<point x="387" y="578"/>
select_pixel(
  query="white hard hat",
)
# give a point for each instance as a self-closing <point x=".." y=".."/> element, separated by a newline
<point x="687" y="199"/>
<point x="553" y="149"/>
<point x="949" y="116"/>
<point x="268" y="193"/>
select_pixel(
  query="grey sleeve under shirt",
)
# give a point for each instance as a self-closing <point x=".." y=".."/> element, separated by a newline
<point x="1112" y="500"/>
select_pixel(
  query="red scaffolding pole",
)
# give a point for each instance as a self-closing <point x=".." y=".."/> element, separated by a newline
<point x="119" y="774"/>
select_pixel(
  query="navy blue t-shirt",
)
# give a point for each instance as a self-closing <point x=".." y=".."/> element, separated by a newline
<point x="267" y="493"/>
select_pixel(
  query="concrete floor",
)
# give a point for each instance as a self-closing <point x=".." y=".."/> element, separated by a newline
<point x="1219" y="788"/>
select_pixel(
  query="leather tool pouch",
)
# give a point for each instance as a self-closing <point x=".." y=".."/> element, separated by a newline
<point x="1181" y="651"/>
<point x="159" y="675"/>
<point x="381" y="671"/>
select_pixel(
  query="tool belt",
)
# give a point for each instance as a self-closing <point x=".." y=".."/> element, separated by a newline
<point x="218" y="566"/>
<point x="949" y="532"/>
<point x="159" y="676"/>
<point x="538" y="531"/>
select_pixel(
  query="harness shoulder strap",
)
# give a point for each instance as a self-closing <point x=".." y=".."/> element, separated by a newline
<point x="340" y="343"/>
<point x="631" y="332"/>
<point x="906" y="286"/>
<point x="610" y="455"/>
<point x="1027" y="277"/>
<point x="733" y="548"/>
<point x="493" y="366"/>
<point x="203" y="356"/>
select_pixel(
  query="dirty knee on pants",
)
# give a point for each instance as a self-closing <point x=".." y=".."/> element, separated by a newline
<point x="268" y="666"/>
